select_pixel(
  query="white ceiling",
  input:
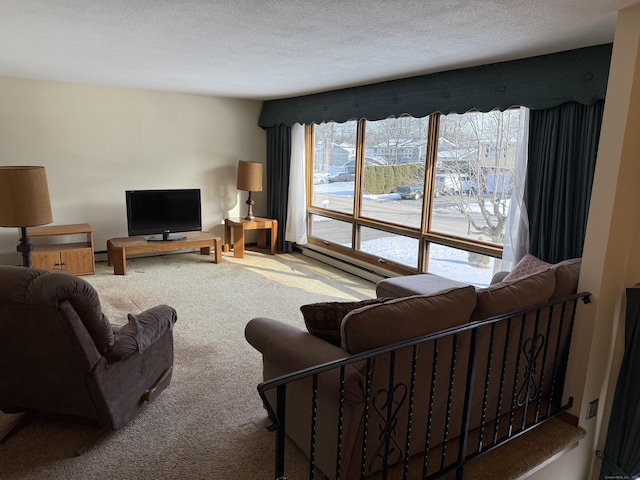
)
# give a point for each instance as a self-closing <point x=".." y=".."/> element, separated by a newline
<point x="264" y="49"/>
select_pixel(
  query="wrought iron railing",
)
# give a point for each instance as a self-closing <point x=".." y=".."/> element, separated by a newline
<point x="425" y="407"/>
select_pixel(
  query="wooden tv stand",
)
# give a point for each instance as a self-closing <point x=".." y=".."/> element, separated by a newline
<point x="119" y="248"/>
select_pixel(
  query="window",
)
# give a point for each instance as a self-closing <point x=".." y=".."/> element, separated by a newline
<point x="416" y="194"/>
<point x="473" y="189"/>
<point x="397" y="172"/>
<point x="334" y="151"/>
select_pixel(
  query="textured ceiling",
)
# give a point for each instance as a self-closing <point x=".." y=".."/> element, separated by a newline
<point x="271" y="49"/>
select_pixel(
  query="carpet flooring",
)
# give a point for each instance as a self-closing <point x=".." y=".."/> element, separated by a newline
<point x="209" y="423"/>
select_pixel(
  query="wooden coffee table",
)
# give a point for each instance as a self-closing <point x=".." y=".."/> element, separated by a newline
<point x="119" y="248"/>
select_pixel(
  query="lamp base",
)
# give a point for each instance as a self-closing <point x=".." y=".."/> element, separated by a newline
<point x="250" y="203"/>
<point x="24" y="247"/>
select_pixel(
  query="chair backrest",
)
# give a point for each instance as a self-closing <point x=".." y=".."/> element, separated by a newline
<point x="52" y="333"/>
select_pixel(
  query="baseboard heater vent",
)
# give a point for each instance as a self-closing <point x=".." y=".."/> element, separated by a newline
<point x="346" y="264"/>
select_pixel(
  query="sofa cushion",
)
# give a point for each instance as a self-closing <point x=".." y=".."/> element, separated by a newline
<point x="419" y="284"/>
<point x="567" y="276"/>
<point x="528" y="265"/>
<point x="505" y="297"/>
<point x="404" y="318"/>
<point x="323" y="319"/>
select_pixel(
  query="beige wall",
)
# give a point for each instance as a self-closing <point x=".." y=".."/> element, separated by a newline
<point x="96" y="142"/>
<point x="611" y="258"/>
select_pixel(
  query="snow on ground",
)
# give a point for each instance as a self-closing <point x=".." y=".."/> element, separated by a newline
<point x="444" y="261"/>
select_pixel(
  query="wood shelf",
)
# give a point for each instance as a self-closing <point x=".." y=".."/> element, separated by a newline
<point x="52" y="252"/>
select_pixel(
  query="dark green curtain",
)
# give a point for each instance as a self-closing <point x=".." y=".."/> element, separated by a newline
<point x="622" y="448"/>
<point x="278" y="167"/>
<point x="563" y="143"/>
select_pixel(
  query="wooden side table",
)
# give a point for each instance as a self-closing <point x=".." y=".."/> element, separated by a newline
<point x="74" y="253"/>
<point x="238" y="225"/>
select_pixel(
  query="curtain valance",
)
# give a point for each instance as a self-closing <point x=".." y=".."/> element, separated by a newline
<point x="537" y="82"/>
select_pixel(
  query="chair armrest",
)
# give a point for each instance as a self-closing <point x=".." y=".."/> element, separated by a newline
<point x="141" y="331"/>
<point x="289" y="347"/>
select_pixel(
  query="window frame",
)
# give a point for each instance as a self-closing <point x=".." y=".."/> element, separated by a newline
<point x="423" y="234"/>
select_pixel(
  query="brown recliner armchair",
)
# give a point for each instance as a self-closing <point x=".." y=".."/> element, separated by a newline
<point x="61" y="358"/>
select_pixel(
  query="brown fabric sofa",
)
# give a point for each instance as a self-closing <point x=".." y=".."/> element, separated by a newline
<point x="440" y="304"/>
<point x="60" y="356"/>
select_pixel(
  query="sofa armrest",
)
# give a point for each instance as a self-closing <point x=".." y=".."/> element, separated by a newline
<point x="292" y="349"/>
<point x="141" y="331"/>
<point x="289" y="347"/>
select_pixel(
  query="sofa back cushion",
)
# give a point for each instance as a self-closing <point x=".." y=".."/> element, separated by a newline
<point x="567" y="276"/>
<point x="404" y="318"/>
<point x="504" y="297"/>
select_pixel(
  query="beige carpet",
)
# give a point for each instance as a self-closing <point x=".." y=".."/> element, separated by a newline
<point x="209" y="424"/>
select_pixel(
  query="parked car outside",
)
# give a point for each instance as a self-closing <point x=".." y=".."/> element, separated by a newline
<point x="342" y="177"/>
<point x="445" y="184"/>
<point x="407" y="192"/>
<point x="320" y="178"/>
<point x="454" y="183"/>
<point x="350" y="166"/>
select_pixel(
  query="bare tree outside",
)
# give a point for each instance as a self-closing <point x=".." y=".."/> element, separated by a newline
<point x="398" y="140"/>
<point x="476" y="162"/>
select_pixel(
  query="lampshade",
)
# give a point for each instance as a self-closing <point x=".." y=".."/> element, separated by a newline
<point x="249" y="176"/>
<point x="24" y="197"/>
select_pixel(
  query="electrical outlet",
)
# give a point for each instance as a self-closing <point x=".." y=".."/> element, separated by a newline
<point x="592" y="409"/>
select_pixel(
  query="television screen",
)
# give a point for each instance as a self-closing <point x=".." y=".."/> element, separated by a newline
<point x="163" y="212"/>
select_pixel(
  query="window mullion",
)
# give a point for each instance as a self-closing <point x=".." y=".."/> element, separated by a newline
<point x="429" y="189"/>
<point x="309" y="140"/>
<point x="358" y="183"/>
<point x="430" y="170"/>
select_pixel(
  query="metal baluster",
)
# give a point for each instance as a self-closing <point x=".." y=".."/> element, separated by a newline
<point x="572" y="321"/>
<point x="529" y="388"/>
<point x="340" y="419"/>
<point x="487" y="380"/>
<point x="314" y="415"/>
<point x="452" y="372"/>
<point x="432" y="387"/>
<point x="388" y="409"/>
<point x="389" y="426"/>
<point x="281" y="392"/>
<point x="365" y="431"/>
<point x="466" y="413"/>
<point x="412" y="390"/>
<point x="514" y="394"/>
<point x="554" y="379"/>
<point x="505" y="354"/>
<point x="544" y="363"/>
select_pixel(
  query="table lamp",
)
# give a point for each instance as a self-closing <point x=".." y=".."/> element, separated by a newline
<point x="24" y="202"/>
<point x="250" y="180"/>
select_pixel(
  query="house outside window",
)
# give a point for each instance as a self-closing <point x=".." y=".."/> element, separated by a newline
<point x="415" y="194"/>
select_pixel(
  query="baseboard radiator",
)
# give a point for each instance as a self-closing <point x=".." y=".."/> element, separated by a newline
<point x="346" y="264"/>
<point x="423" y="408"/>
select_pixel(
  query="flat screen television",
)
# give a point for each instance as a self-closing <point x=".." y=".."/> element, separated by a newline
<point x="163" y="214"/>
